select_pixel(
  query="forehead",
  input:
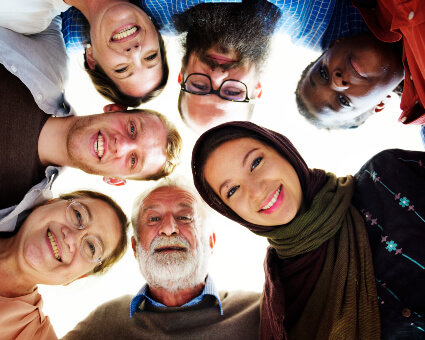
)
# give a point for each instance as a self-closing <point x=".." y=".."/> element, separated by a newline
<point x="168" y="198"/>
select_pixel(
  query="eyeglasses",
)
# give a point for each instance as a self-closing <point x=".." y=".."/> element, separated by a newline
<point x="91" y="246"/>
<point x="230" y="89"/>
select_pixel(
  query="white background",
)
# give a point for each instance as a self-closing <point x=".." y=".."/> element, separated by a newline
<point x="237" y="262"/>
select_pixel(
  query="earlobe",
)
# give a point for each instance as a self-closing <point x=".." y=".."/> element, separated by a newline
<point x="114" y="181"/>
<point x="134" y="246"/>
<point x="258" y="90"/>
<point x="89" y="57"/>
<point x="212" y="242"/>
<point x="114" y="108"/>
<point x="180" y="77"/>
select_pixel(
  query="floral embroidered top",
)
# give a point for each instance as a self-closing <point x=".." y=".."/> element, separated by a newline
<point x="390" y="194"/>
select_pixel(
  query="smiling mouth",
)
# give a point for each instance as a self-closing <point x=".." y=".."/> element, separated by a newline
<point x="54" y="246"/>
<point x="98" y="146"/>
<point x="273" y="200"/>
<point x="124" y="33"/>
<point x="170" y="248"/>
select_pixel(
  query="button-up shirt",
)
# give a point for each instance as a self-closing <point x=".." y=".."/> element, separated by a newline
<point x="143" y="294"/>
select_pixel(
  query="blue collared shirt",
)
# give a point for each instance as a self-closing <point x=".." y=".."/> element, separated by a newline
<point x="314" y="24"/>
<point x="209" y="289"/>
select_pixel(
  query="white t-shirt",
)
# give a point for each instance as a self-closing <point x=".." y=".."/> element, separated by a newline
<point x="29" y="16"/>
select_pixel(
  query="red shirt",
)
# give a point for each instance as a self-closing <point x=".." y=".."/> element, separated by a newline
<point x="391" y="21"/>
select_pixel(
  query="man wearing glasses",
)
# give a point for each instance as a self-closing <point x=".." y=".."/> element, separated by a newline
<point x="225" y="48"/>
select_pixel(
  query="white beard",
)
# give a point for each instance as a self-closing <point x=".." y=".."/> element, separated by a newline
<point x="174" y="271"/>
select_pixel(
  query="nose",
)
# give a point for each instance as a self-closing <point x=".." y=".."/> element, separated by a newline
<point x="124" y="145"/>
<point x="72" y="238"/>
<point x="339" y="83"/>
<point x="217" y="76"/>
<point x="132" y="46"/>
<point x="255" y="190"/>
<point x="169" y="226"/>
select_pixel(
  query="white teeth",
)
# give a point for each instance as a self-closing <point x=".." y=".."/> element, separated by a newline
<point x="98" y="146"/>
<point x="124" y="33"/>
<point x="273" y="200"/>
<point x="54" y="245"/>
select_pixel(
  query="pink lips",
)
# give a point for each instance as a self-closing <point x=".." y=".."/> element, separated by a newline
<point x="126" y="38"/>
<point x="357" y="68"/>
<point x="276" y="205"/>
<point x="220" y="59"/>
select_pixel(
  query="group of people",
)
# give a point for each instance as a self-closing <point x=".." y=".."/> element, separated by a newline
<point x="345" y="258"/>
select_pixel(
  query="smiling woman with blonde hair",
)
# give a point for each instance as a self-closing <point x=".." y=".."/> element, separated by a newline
<point x="60" y="241"/>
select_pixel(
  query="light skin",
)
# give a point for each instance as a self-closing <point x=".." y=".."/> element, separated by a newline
<point x="134" y="144"/>
<point x="27" y="259"/>
<point x="204" y="112"/>
<point x="255" y="181"/>
<point x="354" y="76"/>
<point x="125" y="60"/>
<point x="170" y="211"/>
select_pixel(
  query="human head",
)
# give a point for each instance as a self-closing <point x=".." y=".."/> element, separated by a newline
<point x="171" y="214"/>
<point x="218" y="136"/>
<point x="223" y="41"/>
<point x="349" y="82"/>
<point x="127" y="70"/>
<point x="136" y="144"/>
<point x="107" y="221"/>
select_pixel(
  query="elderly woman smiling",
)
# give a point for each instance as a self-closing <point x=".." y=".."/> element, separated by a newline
<point x="60" y="241"/>
<point x="338" y="246"/>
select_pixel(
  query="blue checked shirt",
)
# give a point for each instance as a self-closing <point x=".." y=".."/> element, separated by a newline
<point x="314" y="24"/>
<point x="209" y="289"/>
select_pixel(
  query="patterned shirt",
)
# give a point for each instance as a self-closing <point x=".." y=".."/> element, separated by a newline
<point x="143" y="294"/>
<point x="313" y="24"/>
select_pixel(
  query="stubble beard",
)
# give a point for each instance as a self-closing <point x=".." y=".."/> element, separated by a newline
<point x="174" y="271"/>
<point x="74" y="145"/>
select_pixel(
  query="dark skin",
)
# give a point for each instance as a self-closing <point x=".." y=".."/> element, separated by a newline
<point x="353" y="76"/>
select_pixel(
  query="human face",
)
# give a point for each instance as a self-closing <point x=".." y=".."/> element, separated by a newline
<point x="173" y="252"/>
<point x="204" y="112"/>
<point x="125" y="44"/>
<point x="351" y="78"/>
<point x="121" y="145"/>
<point x="255" y="182"/>
<point x="36" y="247"/>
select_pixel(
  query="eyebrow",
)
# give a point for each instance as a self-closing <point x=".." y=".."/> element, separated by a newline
<point x="88" y="211"/>
<point x="243" y="164"/>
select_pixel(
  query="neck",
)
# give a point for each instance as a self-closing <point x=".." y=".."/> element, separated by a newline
<point x="13" y="282"/>
<point x="176" y="299"/>
<point x="92" y="8"/>
<point x="52" y="148"/>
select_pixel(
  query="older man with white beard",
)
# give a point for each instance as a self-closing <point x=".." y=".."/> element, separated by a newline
<point x="173" y="243"/>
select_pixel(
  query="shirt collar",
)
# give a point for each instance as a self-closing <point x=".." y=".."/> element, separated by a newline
<point x="209" y="289"/>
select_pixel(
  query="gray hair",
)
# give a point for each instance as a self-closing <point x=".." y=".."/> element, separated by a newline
<point x="202" y="210"/>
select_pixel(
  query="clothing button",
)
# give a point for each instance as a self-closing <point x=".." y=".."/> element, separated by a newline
<point x="416" y="102"/>
<point x="406" y="312"/>
<point x="411" y="78"/>
<point x="14" y="69"/>
<point x="39" y="97"/>
<point x="403" y="119"/>
<point x="411" y="15"/>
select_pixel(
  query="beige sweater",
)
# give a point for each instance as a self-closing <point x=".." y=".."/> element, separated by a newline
<point x="240" y="320"/>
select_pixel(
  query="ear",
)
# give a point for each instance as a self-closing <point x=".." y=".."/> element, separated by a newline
<point x="114" y="108"/>
<point x="89" y="57"/>
<point x="82" y="276"/>
<point x="212" y="242"/>
<point x="180" y="77"/>
<point x="258" y="90"/>
<point x="133" y="245"/>
<point x="114" y="181"/>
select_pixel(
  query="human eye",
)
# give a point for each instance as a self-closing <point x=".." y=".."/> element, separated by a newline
<point x="122" y="69"/>
<point x="91" y="248"/>
<point x="151" y="57"/>
<point x="232" y="191"/>
<point x="133" y="161"/>
<point x="232" y="92"/>
<point x="132" y="129"/>
<point x="323" y="73"/>
<point x="344" y="102"/>
<point x="201" y="86"/>
<point x="256" y="162"/>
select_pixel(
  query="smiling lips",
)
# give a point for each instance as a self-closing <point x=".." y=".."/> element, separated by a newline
<point x="126" y="32"/>
<point x="170" y="248"/>
<point x="54" y="246"/>
<point x="98" y="146"/>
<point x="272" y="201"/>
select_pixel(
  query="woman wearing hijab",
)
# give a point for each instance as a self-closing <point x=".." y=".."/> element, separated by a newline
<point x="327" y="275"/>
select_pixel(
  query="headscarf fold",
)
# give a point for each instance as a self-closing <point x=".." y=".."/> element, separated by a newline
<point x="331" y="241"/>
